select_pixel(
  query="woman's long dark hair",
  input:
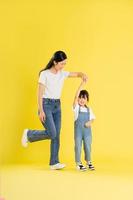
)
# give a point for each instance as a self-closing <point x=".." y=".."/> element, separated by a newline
<point x="57" y="57"/>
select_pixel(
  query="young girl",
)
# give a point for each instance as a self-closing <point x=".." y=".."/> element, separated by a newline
<point x="83" y="117"/>
<point x="50" y="85"/>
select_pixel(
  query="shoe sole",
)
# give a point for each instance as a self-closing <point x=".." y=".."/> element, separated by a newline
<point x="91" y="169"/>
<point x="22" y="139"/>
<point x="57" y="168"/>
<point x="82" y="170"/>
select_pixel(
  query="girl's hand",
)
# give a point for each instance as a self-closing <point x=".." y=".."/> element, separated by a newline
<point x="88" y="124"/>
<point x="84" y="81"/>
<point x="85" y="77"/>
<point x="42" y="116"/>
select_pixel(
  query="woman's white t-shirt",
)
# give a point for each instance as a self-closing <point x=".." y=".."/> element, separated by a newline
<point x="53" y="83"/>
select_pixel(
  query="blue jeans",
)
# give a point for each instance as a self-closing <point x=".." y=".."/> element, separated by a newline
<point x="52" y="125"/>
<point x="82" y="134"/>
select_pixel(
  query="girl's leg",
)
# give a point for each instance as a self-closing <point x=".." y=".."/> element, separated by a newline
<point x="87" y="139"/>
<point x="55" y="143"/>
<point x="78" y="144"/>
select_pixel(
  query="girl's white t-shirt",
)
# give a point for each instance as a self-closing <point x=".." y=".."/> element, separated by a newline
<point x="53" y="83"/>
<point x="82" y="109"/>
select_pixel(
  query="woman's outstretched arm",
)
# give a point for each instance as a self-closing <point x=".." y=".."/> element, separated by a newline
<point x="78" y="74"/>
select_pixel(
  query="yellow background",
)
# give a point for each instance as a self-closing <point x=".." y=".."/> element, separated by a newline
<point x="97" y="38"/>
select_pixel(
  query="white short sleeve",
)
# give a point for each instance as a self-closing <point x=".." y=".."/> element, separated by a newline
<point x="42" y="78"/>
<point x="92" y="116"/>
<point x="65" y="74"/>
<point x="76" y="111"/>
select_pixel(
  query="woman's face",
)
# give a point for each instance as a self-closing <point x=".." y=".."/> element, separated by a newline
<point x="59" y="65"/>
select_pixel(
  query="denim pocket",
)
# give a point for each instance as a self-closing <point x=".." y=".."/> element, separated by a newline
<point x="45" y="102"/>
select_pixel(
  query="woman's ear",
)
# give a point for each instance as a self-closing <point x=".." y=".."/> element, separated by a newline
<point x="55" y="63"/>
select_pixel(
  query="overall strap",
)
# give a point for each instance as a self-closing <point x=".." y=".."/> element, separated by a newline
<point x="88" y="109"/>
<point x="79" y="108"/>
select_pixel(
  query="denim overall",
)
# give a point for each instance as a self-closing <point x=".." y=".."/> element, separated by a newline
<point x="82" y="133"/>
<point x="52" y="125"/>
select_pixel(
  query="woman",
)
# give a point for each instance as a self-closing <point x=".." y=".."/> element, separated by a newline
<point x="50" y="85"/>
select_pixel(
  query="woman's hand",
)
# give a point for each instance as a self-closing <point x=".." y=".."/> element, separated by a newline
<point x="42" y="116"/>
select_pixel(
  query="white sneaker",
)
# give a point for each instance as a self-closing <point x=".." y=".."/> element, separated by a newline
<point x="57" y="166"/>
<point x="24" y="139"/>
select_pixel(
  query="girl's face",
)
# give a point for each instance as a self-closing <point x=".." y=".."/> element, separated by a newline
<point x="59" y="65"/>
<point x="82" y="101"/>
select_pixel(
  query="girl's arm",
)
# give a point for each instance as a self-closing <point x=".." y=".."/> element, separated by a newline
<point x="89" y="123"/>
<point x="92" y="118"/>
<point x="77" y="93"/>
<point x="78" y="74"/>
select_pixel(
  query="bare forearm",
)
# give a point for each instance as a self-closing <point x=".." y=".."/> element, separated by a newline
<point x="80" y="74"/>
<point x="76" y="74"/>
<point x="40" y="108"/>
<point x="77" y="93"/>
<point x="79" y="89"/>
<point x="40" y="95"/>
